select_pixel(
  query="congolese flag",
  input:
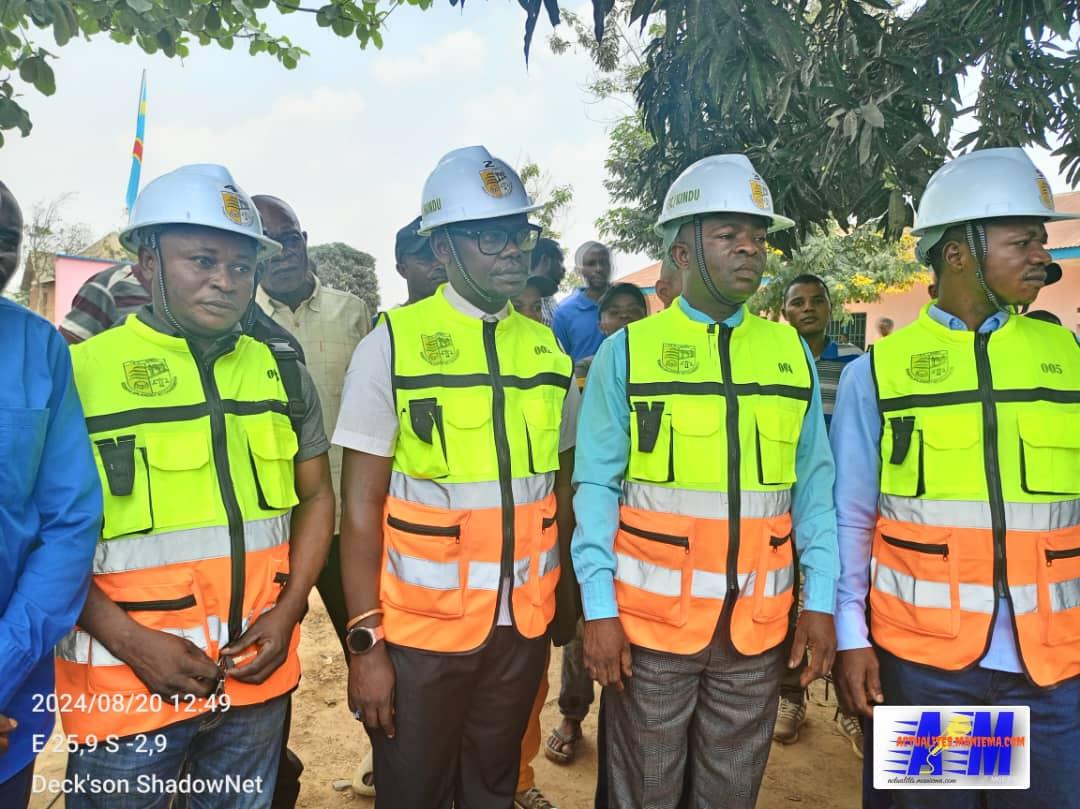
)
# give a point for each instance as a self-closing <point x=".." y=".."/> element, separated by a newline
<point x="137" y="149"/>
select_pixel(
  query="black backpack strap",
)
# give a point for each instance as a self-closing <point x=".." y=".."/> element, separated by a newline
<point x="288" y="363"/>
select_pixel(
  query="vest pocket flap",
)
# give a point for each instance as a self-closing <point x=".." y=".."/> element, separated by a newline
<point x="275" y="442"/>
<point x="1043" y="430"/>
<point x="959" y="431"/>
<point x="177" y="452"/>
<point x="541" y="413"/>
<point x="779" y="425"/>
<point x="467" y="412"/>
<point x="695" y="418"/>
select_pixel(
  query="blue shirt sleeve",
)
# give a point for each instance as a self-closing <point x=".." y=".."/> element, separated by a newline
<point x="856" y="440"/>
<point x="812" y="512"/>
<point x="560" y="325"/>
<point x="53" y="582"/>
<point x="603" y="449"/>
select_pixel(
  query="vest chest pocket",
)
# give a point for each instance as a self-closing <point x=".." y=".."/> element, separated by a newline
<point x="125" y="484"/>
<point x="272" y="448"/>
<point x="650" y="442"/>
<point x="902" y="457"/>
<point x="953" y="449"/>
<point x="699" y="445"/>
<point x="777" y="439"/>
<point x="470" y="442"/>
<point x="542" y="417"/>
<point x="421" y="443"/>
<point x="1049" y="453"/>
<point x="182" y="479"/>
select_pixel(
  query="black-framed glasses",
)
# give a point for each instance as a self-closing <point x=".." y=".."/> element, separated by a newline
<point x="492" y="240"/>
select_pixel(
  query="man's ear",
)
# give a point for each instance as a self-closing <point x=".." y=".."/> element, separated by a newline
<point x="147" y="264"/>
<point x="400" y="269"/>
<point x="955" y="255"/>
<point x="304" y="234"/>
<point x="680" y="254"/>
<point x="440" y="247"/>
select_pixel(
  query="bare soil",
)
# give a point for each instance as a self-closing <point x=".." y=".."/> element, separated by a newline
<point x="819" y="771"/>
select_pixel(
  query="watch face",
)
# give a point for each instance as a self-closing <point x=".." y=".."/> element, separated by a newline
<point x="360" y="639"/>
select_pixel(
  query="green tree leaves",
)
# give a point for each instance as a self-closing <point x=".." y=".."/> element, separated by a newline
<point x="343" y="267"/>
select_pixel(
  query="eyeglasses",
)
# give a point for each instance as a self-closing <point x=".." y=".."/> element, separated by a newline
<point x="493" y="240"/>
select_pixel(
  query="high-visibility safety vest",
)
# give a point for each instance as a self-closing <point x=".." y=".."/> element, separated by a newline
<point x="715" y="418"/>
<point x="196" y="464"/>
<point x="471" y="498"/>
<point x="980" y="494"/>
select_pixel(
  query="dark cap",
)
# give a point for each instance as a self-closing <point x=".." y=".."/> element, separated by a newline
<point x="409" y="241"/>
<point x="625" y="288"/>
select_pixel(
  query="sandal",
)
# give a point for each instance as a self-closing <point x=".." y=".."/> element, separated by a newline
<point x="363" y="782"/>
<point x="561" y="748"/>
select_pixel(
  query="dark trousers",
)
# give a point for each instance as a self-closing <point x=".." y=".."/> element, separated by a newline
<point x="15" y="792"/>
<point x="576" y="690"/>
<point x="460" y="719"/>
<point x="287" y="789"/>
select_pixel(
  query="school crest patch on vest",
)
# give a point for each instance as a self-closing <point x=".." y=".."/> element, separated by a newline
<point x="438" y="348"/>
<point x="150" y="377"/>
<point x="933" y="366"/>
<point x="676" y="358"/>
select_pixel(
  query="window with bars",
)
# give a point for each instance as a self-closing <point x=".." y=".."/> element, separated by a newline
<point x="851" y="329"/>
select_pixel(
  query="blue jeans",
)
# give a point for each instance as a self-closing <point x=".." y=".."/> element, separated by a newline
<point x="1055" y="732"/>
<point x="227" y="760"/>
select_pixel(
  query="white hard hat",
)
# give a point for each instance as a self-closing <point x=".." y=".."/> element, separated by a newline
<point x="984" y="184"/>
<point x="201" y="194"/>
<point x="470" y="184"/>
<point x="723" y="183"/>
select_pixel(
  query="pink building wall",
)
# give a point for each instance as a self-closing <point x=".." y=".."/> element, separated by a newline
<point x="71" y="273"/>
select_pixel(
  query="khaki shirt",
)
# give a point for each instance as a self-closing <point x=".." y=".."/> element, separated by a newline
<point x="329" y="324"/>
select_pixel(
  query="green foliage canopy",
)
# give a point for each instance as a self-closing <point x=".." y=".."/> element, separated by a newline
<point x="343" y="267"/>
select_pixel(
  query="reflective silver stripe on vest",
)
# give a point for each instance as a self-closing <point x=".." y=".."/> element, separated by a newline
<point x="78" y="647"/>
<point x="445" y="576"/>
<point x="931" y="594"/>
<point x="469" y="496"/>
<point x="192" y="545"/>
<point x="1025" y="598"/>
<point x="666" y="581"/>
<point x="704" y="505"/>
<point x="1065" y="595"/>
<point x="976" y="514"/>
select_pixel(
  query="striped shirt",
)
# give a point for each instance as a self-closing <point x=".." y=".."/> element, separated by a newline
<point x="102" y="302"/>
<point x="829" y="365"/>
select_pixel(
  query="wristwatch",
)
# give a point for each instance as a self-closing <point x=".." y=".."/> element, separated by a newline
<point x="362" y="639"/>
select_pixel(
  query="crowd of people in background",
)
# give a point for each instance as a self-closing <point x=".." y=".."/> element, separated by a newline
<point x="705" y="509"/>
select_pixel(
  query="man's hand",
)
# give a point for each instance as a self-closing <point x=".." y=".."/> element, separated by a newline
<point x="270" y="633"/>
<point x="170" y="666"/>
<point x="858" y="681"/>
<point x="814" y="631"/>
<point x="607" y="652"/>
<point x="6" y="726"/>
<point x="371" y="689"/>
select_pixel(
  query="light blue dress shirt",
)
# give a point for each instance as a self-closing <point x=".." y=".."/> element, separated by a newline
<point x="856" y="443"/>
<point x="603" y="451"/>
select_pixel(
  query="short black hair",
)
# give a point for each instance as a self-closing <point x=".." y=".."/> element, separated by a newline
<point x="624" y="288"/>
<point x="807" y="278"/>
<point x="546" y="247"/>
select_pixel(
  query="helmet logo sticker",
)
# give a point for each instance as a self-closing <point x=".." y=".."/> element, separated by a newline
<point x="931" y="367"/>
<point x="236" y="208"/>
<point x="759" y="193"/>
<point x="438" y="348"/>
<point x="1044" y="192"/>
<point x="676" y="358"/>
<point x="431" y="206"/>
<point x="150" y="377"/>
<point x="497" y="183"/>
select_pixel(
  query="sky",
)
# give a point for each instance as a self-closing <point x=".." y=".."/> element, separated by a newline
<point x="347" y="138"/>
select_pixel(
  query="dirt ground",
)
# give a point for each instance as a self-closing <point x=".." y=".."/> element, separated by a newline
<point x="820" y="770"/>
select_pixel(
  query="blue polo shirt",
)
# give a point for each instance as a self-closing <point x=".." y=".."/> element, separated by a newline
<point x="50" y="513"/>
<point x="577" y="325"/>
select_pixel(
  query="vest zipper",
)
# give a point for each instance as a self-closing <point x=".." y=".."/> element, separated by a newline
<point x="219" y="441"/>
<point x="667" y="539"/>
<point x="918" y="547"/>
<point x="423" y="530"/>
<point x="502" y="454"/>
<point x="1065" y="554"/>
<point x="990" y="461"/>
<point x="734" y="452"/>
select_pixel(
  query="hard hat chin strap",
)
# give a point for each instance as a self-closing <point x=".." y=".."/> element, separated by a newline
<point x="699" y="250"/>
<point x="154" y="245"/>
<point x="475" y="287"/>
<point x="975" y="234"/>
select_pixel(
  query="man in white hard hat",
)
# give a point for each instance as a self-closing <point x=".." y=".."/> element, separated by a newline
<point x="453" y="420"/>
<point x="695" y="426"/>
<point x="958" y="494"/>
<point x="218" y="515"/>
